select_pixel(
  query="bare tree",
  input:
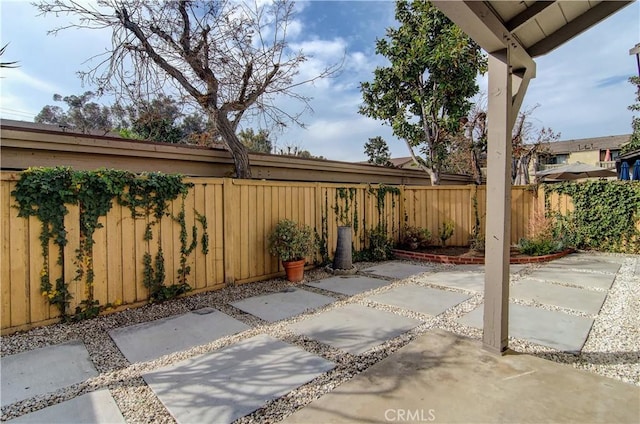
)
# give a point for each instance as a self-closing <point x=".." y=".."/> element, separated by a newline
<point x="230" y="58"/>
<point x="527" y="141"/>
<point x="13" y="64"/>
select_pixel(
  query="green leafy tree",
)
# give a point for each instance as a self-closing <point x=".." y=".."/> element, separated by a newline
<point x="634" y="141"/>
<point x="425" y="91"/>
<point x="159" y="119"/>
<point x="230" y="58"/>
<point x="256" y="141"/>
<point x="82" y="114"/>
<point x="378" y="151"/>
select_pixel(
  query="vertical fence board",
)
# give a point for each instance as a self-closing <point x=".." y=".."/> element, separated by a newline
<point x="198" y="274"/>
<point x="141" y="248"/>
<point x="169" y="249"/>
<point x="128" y="254"/>
<point x="113" y="231"/>
<point x="100" y="291"/>
<point x="76" y="286"/>
<point x="189" y="216"/>
<point x="214" y="207"/>
<point x="31" y="305"/>
<point x="5" y="273"/>
<point x="261" y="235"/>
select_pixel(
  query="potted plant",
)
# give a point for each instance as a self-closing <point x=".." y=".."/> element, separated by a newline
<point x="292" y="243"/>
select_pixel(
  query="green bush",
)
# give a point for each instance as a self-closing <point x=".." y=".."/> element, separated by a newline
<point x="291" y="241"/>
<point x="605" y="216"/>
<point x="379" y="247"/>
<point x="539" y="247"/>
<point x="416" y="237"/>
<point x="446" y="231"/>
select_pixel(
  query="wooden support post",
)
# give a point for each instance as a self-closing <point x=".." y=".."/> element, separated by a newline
<point x="498" y="233"/>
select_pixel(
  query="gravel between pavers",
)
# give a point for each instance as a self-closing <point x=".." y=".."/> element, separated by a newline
<point x="612" y="349"/>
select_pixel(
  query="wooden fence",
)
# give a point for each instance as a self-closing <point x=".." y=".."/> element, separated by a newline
<point x="240" y="214"/>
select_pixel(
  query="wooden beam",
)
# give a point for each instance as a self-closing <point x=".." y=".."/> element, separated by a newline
<point x="576" y="26"/>
<point x="520" y="84"/>
<point x="480" y="22"/>
<point x="498" y="236"/>
<point x="527" y="15"/>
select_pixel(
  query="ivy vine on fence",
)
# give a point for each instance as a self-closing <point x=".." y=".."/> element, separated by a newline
<point x="606" y="215"/>
<point x="45" y="192"/>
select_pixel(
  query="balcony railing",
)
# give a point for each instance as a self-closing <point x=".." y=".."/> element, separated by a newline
<point x="611" y="164"/>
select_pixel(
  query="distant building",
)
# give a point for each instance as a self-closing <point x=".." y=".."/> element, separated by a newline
<point x="592" y="151"/>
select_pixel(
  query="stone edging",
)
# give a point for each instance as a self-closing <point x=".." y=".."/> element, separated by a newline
<point x="457" y="260"/>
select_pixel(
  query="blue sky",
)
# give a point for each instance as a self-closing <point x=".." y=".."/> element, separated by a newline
<point x="581" y="87"/>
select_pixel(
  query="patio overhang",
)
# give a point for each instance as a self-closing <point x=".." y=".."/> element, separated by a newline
<point x="513" y="33"/>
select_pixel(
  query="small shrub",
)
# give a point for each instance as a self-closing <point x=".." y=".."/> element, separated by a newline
<point x="476" y="243"/>
<point x="416" y="237"/>
<point x="291" y="241"/>
<point x="379" y="247"/>
<point x="446" y="231"/>
<point x="539" y="247"/>
<point x="543" y="236"/>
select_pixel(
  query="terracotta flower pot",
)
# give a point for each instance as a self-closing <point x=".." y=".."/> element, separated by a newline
<point x="294" y="270"/>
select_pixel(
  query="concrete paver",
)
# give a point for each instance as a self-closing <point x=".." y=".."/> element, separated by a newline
<point x="232" y="382"/>
<point x="398" y="270"/>
<point x="513" y="268"/>
<point x="349" y="284"/>
<point x="444" y="378"/>
<point x="597" y="258"/>
<point x="93" y="407"/>
<point x="578" y="264"/>
<point x="354" y="328"/>
<point x="470" y="281"/>
<point x="44" y="370"/>
<point x="151" y="340"/>
<point x="281" y="305"/>
<point x="587" y="301"/>
<point x="549" y="328"/>
<point x="420" y="299"/>
<point x="575" y="278"/>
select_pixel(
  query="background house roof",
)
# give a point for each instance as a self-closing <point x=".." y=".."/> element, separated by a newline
<point x="612" y="142"/>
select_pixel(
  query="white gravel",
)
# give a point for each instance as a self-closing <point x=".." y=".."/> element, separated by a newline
<point x="612" y="349"/>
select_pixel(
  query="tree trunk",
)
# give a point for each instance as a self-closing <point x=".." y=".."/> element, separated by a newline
<point x="233" y="144"/>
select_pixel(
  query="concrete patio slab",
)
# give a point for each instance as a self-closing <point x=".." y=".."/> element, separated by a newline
<point x="584" y="264"/>
<point x="470" y="281"/>
<point x="49" y="368"/>
<point x="420" y="299"/>
<point x="575" y="278"/>
<point x="549" y="328"/>
<point x="587" y="301"/>
<point x="444" y="378"/>
<point x="151" y="340"/>
<point x="600" y="258"/>
<point x="349" y="284"/>
<point x="398" y="270"/>
<point x="284" y="304"/>
<point x="230" y="383"/>
<point x="513" y="268"/>
<point x="94" y="407"/>
<point x="354" y="328"/>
